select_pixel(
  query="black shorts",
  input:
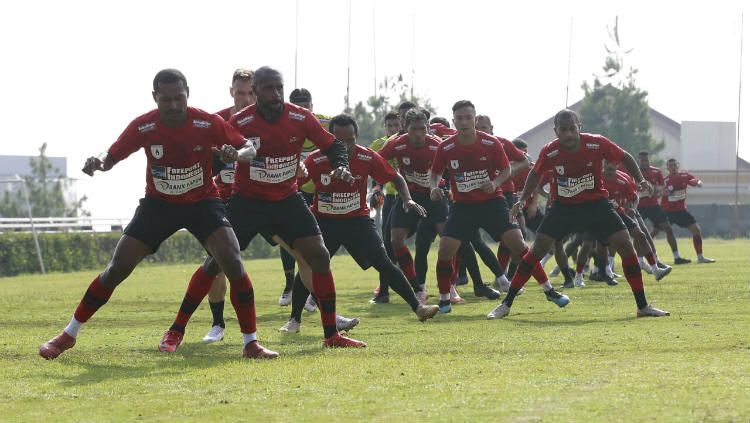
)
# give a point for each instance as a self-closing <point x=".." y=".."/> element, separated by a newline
<point x="533" y="222"/>
<point x="388" y="203"/>
<point x="598" y="218"/>
<point x="510" y="198"/>
<point x="466" y="218"/>
<point x="681" y="218"/>
<point x="358" y="235"/>
<point x="289" y="218"/>
<point x="629" y="222"/>
<point x="308" y="197"/>
<point x="156" y="220"/>
<point x="437" y="212"/>
<point x="654" y="213"/>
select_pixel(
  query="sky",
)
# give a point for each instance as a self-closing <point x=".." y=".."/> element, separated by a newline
<point x="75" y="73"/>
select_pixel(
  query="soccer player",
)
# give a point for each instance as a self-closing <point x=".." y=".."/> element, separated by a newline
<point x="579" y="204"/>
<point x="265" y="199"/>
<point x="344" y="218"/>
<point x="477" y="167"/>
<point x="243" y="96"/>
<point x="648" y="205"/>
<point x="178" y="141"/>
<point x="673" y="202"/>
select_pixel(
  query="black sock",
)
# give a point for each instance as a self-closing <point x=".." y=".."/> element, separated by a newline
<point x="398" y="281"/>
<point x="640" y="299"/>
<point x="217" y="311"/>
<point x="289" y="280"/>
<point x="512" y="292"/>
<point x="299" y="297"/>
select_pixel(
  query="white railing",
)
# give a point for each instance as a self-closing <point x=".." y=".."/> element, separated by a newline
<point x="62" y="224"/>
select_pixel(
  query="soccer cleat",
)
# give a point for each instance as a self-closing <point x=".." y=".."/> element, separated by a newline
<point x="380" y="299"/>
<point x="499" y="312"/>
<point x="661" y="272"/>
<point x="594" y="276"/>
<point x="421" y="296"/>
<point x="650" y="311"/>
<point x="171" y="340"/>
<point x="457" y="300"/>
<point x="340" y="341"/>
<point x="568" y="283"/>
<point x="345" y="324"/>
<point x="660" y="264"/>
<point x="608" y="279"/>
<point x="216" y="334"/>
<point x="485" y="291"/>
<point x="285" y="298"/>
<point x="51" y="349"/>
<point x="578" y="281"/>
<point x="501" y="283"/>
<point x="310" y="304"/>
<point x="680" y="260"/>
<point x="555" y="271"/>
<point x="557" y="298"/>
<point x="706" y="260"/>
<point x="255" y="350"/>
<point x="291" y="326"/>
<point x="444" y="306"/>
<point x="647" y="268"/>
<point x="425" y="312"/>
<point x="462" y="280"/>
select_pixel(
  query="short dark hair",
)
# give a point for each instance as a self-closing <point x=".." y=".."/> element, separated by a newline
<point x="406" y="105"/>
<point x="565" y="114"/>
<point x="484" y="117"/>
<point x="442" y="120"/>
<point x="671" y="160"/>
<point x="463" y="103"/>
<point x="414" y="115"/>
<point x="520" y="143"/>
<point x="243" y="74"/>
<point x="169" y="76"/>
<point x="643" y="153"/>
<point x="300" y="95"/>
<point x="264" y="72"/>
<point x="343" y="120"/>
<point x="390" y="116"/>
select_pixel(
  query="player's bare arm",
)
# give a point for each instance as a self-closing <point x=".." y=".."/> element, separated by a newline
<point x="491" y="185"/>
<point x="403" y="190"/>
<point x="632" y="167"/>
<point x="532" y="182"/>
<point x="436" y="194"/>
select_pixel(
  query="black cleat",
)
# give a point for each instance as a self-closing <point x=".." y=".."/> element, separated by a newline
<point x="680" y="260"/>
<point x="485" y="291"/>
<point x="608" y="279"/>
<point x="568" y="283"/>
<point x="380" y="299"/>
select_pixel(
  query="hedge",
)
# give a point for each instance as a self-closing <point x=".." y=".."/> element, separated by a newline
<point x="67" y="252"/>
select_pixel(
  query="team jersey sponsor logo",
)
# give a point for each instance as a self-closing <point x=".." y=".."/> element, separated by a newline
<point x="157" y="151"/>
<point x="560" y="169"/>
<point x="449" y="147"/>
<point x="201" y="123"/>
<point x="146" y="127"/>
<point x="676" y="194"/>
<point x="364" y="157"/>
<point x="553" y="153"/>
<point x="488" y="142"/>
<point x="433" y="147"/>
<point x="483" y="158"/>
<point x="296" y="116"/>
<point x="198" y="148"/>
<point x="273" y="170"/>
<point x="400" y="147"/>
<point x="338" y="202"/>
<point x="471" y="180"/>
<point x="177" y="180"/>
<point x="591" y="146"/>
<point x="421" y="179"/>
<point x="570" y="187"/>
<point x="292" y="140"/>
<point x="320" y="159"/>
<point x="227" y="176"/>
<point x="245" y="120"/>
<point x="454" y="164"/>
<point x="406" y="160"/>
<point x="325" y="179"/>
<point x="255" y="141"/>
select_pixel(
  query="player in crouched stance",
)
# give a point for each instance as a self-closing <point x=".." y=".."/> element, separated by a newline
<point x="579" y="204"/>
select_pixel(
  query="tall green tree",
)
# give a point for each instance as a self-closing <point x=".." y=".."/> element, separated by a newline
<point x="369" y="114"/>
<point x="46" y="190"/>
<point x="615" y="106"/>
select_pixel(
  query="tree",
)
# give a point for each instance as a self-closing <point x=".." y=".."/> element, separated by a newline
<point x="614" y="106"/>
<point x="369" y="114"/>
<point x="46" y="188"/>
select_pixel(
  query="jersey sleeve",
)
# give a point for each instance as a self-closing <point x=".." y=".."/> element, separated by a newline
<point x="387" y="151"/>
<point x="127" y="143"/>
<point x="542" y="165"/>
<point x="611" y="151"/>
<point x="513" y="153"/>
<point x="227" y="134"/>
<point x="316" y="133"/>
<point x="691" y="180"/>
<point x="381" y="171"/>
<point x="501" y="159"/>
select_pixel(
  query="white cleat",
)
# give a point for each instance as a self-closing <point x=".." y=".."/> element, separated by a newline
<point x="310" y="304"/>
<point x="706" y="260"/>
<point x="216" y="334"/>
<point x="345" y="324"/>
<point x="650" y="311"/>
<point x="578" y="281"/>
<point x="661" y="272"/>
<point x="647" y="268"/>
<point x="292" y="326"/>
<point x="285" y="298"/>
<point x="498" y="312"/>
<point x="501" y="283"/>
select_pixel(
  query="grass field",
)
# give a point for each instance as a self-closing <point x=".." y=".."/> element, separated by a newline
<point x="590" y="362"/>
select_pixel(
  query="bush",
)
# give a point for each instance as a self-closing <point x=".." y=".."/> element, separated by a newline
<point x="72" y="251"/>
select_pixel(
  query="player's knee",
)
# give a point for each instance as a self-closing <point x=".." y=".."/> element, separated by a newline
<point x="318" y="259"/>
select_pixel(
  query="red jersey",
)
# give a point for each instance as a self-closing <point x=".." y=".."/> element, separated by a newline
<point x="413" y="163"/>
<point x="225" y="177"/>
<point x="272" y="174"/>
<point x="225" y="113"/>
<point x="470" y="166"/>
<point x="578" y="174"/>
<point x="178" y="159"/>
<point x="675" y="191"/>
<point x="655" y="177"/>
<point x="519" y="179"/>
<point x="621" y="189"/>
<point x="514" y="154"/>
<point x="337" y="199"/>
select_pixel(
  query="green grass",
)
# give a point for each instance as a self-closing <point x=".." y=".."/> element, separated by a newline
<point x="592" y="361"/>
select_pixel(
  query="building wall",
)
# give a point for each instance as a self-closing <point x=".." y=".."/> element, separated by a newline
<point x="708" y="145"/>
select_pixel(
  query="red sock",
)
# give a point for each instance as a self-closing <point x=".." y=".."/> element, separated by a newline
<point x="444" y="271"/>
<point x="406" y="263"/>
<point x="96" y="296"/>
<point x="200" y="284"/>
<point x="651" y="259"/>
<point x="632" y="272"/>
<point x="698" y="244"/>
<point x="579" y="267"/>
<point x="528" y="265"/>
<point x="243" y="301"/>
<point x="503" y="257"/>
<point x="325" y="290"/>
